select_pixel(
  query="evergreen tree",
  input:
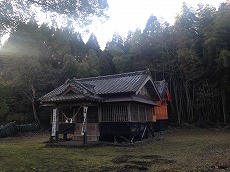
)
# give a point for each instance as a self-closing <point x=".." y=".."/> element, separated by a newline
<point x="92" y="43"/>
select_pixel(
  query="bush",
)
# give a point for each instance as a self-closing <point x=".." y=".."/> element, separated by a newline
<point x="28" y="127"/>
<point x="8" y="130"/>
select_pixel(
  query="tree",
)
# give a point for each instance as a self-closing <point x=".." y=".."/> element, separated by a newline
<point x="78" y="48"/>
<point x="106" y="63"/>
<point x="190" y="64"/>
<point x="24" y="65"/>
<point x="185" y="28"/>
<point x="122" y="63"/>
<point x="92" y="43"/>
<point x="10" y="16"/>
<point x="94" y="63"/>
<point x="205" y="18"/>
<point x="26" y="79"/>
<point x="5" y="99"/>
<point x="116" y="43"/>
<point x="148" y="47"/>
<point x="193" y="55"/>
<point x="70" y="68"/>
<point x="26" y="40"/>
<point x="152" y="26"/>
<point x="121" y="59"/>
<point x="80" y="12"/>
<point x="83" y="70"/>
<point x="133" y="41"/>
<point x="217" y="41"/>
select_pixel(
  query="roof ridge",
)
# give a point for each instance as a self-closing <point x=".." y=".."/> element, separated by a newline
<point x="112" y="76"/>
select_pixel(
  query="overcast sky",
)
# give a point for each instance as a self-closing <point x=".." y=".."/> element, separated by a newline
<point x="128" y="15"/>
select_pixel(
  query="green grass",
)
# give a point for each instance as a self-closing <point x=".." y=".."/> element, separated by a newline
<point x="179" y="150"/>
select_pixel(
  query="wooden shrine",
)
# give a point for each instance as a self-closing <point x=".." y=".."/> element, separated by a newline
<point x="105" y="108"/>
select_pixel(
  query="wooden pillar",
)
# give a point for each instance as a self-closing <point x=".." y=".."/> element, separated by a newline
<point x="57" y="123"/>
<point x="114" y="138"/>
<point x="84" y="125"/>
<point x="138" y="113"/>
<point x="99" y="114"/>
<point x="129" y="113"/>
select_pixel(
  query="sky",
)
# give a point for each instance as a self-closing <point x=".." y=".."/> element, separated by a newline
<point x="128" y="15"/>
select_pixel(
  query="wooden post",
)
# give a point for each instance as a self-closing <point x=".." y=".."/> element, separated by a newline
<point x="129" y="113"/>
<point x="99" y="114"/>
<point x="114" y="138"/>
<point x="138" y="112"/>
<point x="84" y="125"/>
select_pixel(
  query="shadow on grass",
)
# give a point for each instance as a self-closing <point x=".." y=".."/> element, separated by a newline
<point x="140" y="163"/>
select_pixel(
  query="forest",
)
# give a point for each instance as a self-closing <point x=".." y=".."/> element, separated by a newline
<point x="192" y="55"/>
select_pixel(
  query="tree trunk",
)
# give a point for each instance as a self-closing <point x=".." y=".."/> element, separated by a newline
<point x="33" y="105"/>
<point x="223" y="99"/>
<point x="187" y="102"/>
<point x="176" y="102"/>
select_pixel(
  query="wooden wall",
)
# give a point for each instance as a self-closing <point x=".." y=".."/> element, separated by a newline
<point x="160" y="111"/>
<point x="126" y="112"/>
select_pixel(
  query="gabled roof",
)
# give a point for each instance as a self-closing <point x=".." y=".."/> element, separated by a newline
<point x="119" y="83"/>
<point x="95" y="88"/>
<point x="72" y="91"/>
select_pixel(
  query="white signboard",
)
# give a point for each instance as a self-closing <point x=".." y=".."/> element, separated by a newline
<point x="84" y="122"/>
<point x="54" y="122"/>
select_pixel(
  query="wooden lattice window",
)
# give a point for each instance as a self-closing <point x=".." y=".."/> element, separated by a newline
<point x="115" y="113"/>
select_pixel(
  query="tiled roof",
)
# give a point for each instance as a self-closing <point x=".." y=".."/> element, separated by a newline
<point x="119" y="83"/>
<point x="70" y="97"/>
<point x="55" y="92"/>
<point x="130" y="98"/>
<point x="86" y="92"/>
<point x="95" y="88"/>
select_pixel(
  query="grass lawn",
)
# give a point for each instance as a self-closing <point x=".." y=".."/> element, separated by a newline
<point x="178" y="150"/>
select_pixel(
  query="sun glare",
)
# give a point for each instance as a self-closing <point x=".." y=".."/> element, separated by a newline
<point x="4" y="39"/>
